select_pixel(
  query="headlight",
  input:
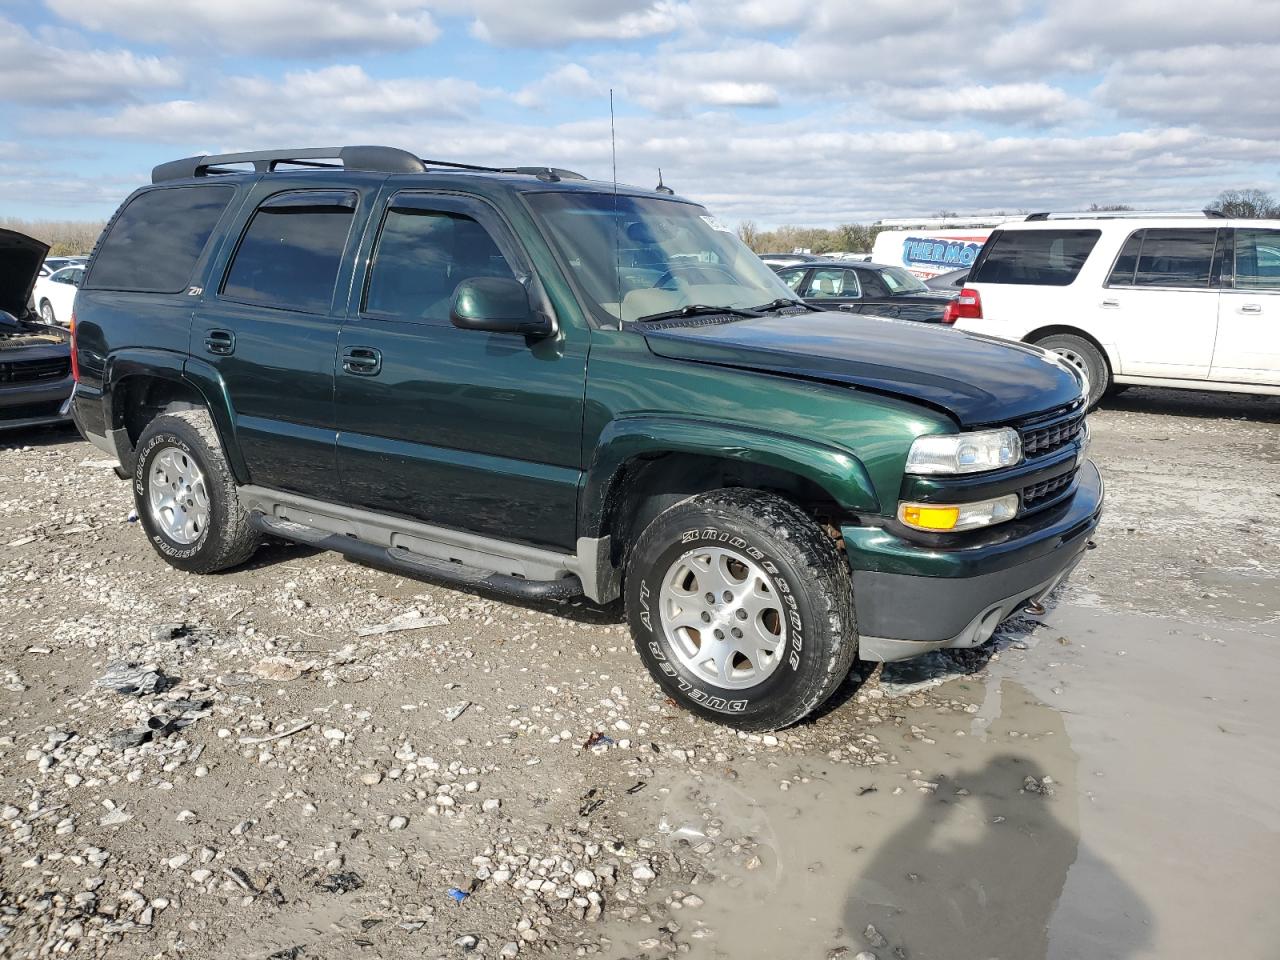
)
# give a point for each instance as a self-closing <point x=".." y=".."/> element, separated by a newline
<point x="949" y="517"/>
<point x="965" y="452"/>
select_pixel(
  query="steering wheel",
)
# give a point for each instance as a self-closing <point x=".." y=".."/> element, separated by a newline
<point x="671" y="274"/>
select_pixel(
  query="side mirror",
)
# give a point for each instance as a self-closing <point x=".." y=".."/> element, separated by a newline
<point x="497" y="305"/>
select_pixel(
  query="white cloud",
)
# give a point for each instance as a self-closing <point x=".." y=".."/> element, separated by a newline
<point x="549" y="23"/>
<point x="267" y="27"/>
<point x="34" y="71"/>
<point x="1015" y="103"/>
<point x="570" y="80"/>
<point x="1222" y="88"/>
<point x="304" y="107"/>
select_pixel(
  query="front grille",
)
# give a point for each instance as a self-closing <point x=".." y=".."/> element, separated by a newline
<point x="1044" y="492"/>
<point x="1037" y="441"/>
<point x="35" y="371"/>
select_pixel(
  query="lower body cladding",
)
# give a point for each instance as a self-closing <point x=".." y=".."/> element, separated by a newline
<point x="912" y="598"/>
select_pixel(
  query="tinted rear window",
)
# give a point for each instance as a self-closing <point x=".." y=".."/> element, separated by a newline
<point x="1175" y="258"/>
<point x="1051" y="258"/>
<point x="154" y="244"/>
<point x="289" y="257"/>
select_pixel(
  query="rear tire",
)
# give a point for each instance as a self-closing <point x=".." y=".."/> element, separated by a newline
<point x="186" y="496"/>
<point x="1083" y="355"/>
<point x="741" y="608"/>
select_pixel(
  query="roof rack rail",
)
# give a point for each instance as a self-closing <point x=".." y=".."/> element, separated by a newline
<point x="364" y="158"/>
<point x="1123" y="214"/>
<point x="367" y="158"/>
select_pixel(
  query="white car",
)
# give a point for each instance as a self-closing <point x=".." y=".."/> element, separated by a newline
<point x="55" y="294"/>
<point x="1183" y="301"/>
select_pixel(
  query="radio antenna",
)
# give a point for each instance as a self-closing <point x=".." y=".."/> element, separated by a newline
<point x="617" y="227"/>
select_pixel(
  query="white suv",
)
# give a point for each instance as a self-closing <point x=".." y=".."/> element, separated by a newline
<point x="1165" y="301"/>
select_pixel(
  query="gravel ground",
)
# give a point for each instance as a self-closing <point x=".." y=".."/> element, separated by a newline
<point x="309" y="758"/>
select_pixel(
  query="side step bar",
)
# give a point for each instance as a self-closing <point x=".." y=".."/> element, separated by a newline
<point x="413" y="564"/>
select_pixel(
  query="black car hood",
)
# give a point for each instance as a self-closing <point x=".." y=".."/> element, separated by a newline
<point x="978" y="380"/>
<point x="20" y="259"/>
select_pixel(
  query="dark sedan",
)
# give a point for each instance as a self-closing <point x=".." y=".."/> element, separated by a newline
<point x="874" y="288"/>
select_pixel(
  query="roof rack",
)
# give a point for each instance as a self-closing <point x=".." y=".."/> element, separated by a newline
<point x="1124" y="215"/>
<point x="363" y="158"/>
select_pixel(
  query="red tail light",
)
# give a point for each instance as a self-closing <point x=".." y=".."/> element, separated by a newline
<point x="967" y="306"/>
<point x="75" y="360"/>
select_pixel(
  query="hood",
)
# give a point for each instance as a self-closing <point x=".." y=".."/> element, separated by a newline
<point x="20" y="259"/>
<point x="978" y="380"/>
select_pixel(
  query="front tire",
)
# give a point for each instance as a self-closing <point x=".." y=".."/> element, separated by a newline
<point x="186" y="496"/>
<point x="46" y="313"/>
<point x="1083" y="355"/>
<point x="741" y="608"/>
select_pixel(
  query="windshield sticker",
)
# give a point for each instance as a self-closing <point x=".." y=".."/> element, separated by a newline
<point x="715" y="224"/>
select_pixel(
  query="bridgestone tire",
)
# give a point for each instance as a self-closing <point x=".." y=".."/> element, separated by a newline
<point x="1079" y="351"/>
<point x="801" y="565"/>
<point x="228" y="538"/>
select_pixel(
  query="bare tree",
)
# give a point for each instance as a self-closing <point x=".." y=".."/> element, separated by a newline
<point x="64" y="237"/>
<point x="1250" y="204"/>
<point x="1108" y="207"/>
<point x="749" y="234"/>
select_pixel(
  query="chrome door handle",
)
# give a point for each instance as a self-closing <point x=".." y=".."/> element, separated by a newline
<point x="1110" y="303"/>
<point x="362" y="361"/>
<point x="222" y="343"/>
<point x="1251" y="308"/>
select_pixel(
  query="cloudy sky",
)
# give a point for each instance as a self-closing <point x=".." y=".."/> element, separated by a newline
<point x="816" y="113"/>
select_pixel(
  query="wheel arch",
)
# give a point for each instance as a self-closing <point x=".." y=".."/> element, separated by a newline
<point x="1049" y="330"/>
<point x="643" y="465"/>
<point x="140" y="385"/>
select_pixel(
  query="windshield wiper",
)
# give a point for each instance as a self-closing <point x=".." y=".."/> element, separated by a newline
<point x="695" y="310"/>
<point x="783" y="302"/>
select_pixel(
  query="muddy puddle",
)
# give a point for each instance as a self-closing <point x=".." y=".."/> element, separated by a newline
<point x="1110" y="792"/>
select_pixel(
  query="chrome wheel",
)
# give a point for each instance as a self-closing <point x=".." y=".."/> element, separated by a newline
<point x="723" y="618"/>
<point x="177" y="496"/>
<point x="46" y="313"/>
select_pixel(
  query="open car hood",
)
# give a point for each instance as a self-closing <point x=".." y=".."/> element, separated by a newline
<point x="20" y="259"/>
<point x="978" y="380"/>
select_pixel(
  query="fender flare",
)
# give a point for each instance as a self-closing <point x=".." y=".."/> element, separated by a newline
<point x="836" y="470"/>
<point x="196" y="375"/>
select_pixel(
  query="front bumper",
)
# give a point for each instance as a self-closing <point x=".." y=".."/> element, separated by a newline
<point x="912" y="598"/>
<point x="34" y="404"/>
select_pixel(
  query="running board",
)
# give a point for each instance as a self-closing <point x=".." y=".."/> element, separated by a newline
<point x="413" y="564"/>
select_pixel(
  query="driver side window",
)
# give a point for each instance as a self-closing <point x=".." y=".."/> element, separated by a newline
<point x="421" y="257"/>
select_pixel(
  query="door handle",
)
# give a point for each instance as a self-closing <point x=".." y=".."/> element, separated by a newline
<point x="1110" y="302"/>
<point x="362" y="361"/>
<point x="220" y="342"/>
<point x="1251" y="308"/>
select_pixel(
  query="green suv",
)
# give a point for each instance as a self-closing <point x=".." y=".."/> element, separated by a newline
<point x="529" y="383"/>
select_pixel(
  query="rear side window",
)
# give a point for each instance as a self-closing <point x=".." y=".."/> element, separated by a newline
<point x="1127" y="263"/>
<point x="1258" y="260"/>
<point x="1051" y="258"/>
<point x="1175" y="258"/>
<point x="291" y="252"/>
<point x="833" y="282"/>
<point x="156" y="240"/>
<point x="421" y="258"/>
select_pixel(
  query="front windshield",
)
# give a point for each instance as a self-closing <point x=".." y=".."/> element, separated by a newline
<point x="648" y="257"/>
<point x="899" y="281"/>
